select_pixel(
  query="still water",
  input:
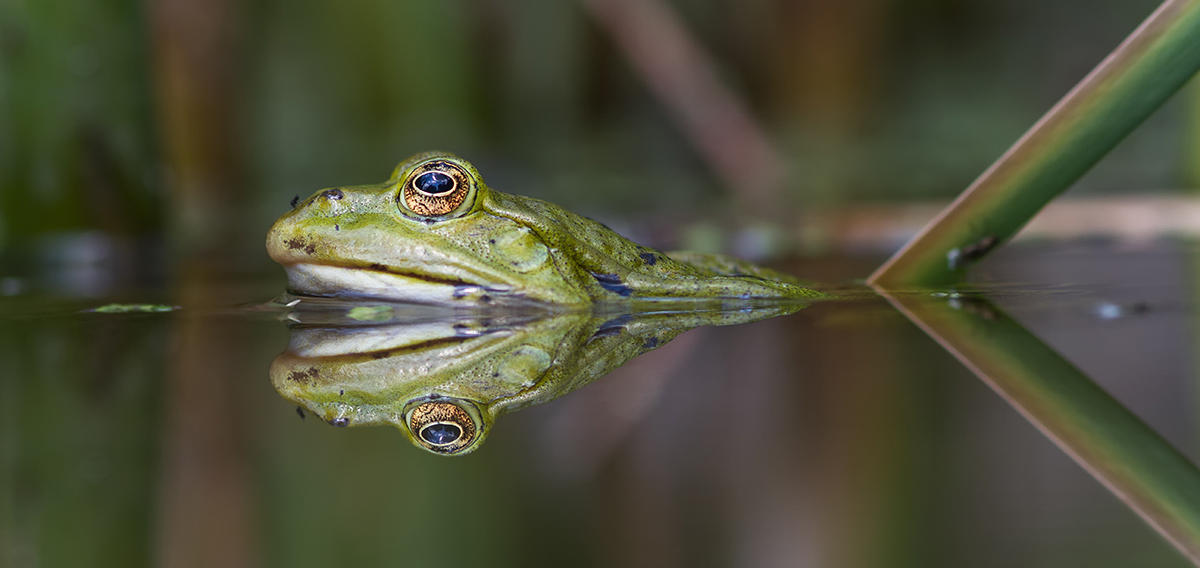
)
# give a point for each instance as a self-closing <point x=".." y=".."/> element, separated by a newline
<point x="833" y="434"/>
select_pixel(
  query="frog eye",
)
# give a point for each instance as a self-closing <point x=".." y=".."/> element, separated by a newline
<point x="434" y="183"/>
<point x="442" y="427"/>
<point x="439" y="188"/>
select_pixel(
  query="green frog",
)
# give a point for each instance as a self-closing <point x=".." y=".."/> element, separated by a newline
<point x="443" y="381"/>
<point x="435" y="233"/>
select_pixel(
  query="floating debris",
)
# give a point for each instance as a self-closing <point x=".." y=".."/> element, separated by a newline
<point x="132" y="309"/>
<point x="371" y="313"/>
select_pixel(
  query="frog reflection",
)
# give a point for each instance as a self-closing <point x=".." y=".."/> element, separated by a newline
<point x="443" y="381"/>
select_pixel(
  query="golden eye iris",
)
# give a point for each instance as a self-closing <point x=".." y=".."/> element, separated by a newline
<point x="442" y="427"/>
<point x="436" y="188"/>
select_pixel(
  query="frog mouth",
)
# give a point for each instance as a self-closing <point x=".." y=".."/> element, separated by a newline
<point x="380" y="282"/>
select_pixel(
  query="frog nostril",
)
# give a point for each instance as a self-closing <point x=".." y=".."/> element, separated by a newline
<point x="334" y="194"/>
<point x="434" y="183"/>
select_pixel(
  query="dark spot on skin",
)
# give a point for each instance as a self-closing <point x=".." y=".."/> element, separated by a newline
<point x="462" y="330"/>
<point x="649" y="258"/>
<point x="612" y="283"/>
<point x="300" y="411"/>
<point x="337" y="227"/>
<point x="379" y="355"/>
<point x="495" y="375"/>
<point x="340" y="422"/>
<point x="435" y="396"/>
<point x="341" y="392"/>
<point x="379" y="267"/>
<point x="334" y="194"/>
<point x="602" y="333"/>
<point x="492" y="241"/>
<point x="650" y="343"/>
<point x="611" y="328"/>
<point x="295" y="200"/>
<point x="485" y="299"/>
<point x="300" y="244"/>
<point x="619" y="321"/>
<point x="304" y="377"/>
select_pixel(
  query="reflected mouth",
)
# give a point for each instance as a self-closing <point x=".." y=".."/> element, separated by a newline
<point x="378" y="281"/>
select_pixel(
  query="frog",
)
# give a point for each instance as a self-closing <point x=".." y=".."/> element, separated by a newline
<point x="434" y="233"/>
<point x="444" y="381"/>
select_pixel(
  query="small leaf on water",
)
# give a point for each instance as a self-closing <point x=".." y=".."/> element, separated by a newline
<point x="132" y="308"/>
<point x="371" y="313"/>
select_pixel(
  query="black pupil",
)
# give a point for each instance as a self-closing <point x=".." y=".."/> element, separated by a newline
<point x="434" y="182"/>
<point x="439" y="434"/>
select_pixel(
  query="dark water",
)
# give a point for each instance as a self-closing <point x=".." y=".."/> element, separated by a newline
<point x="840" y="435"/>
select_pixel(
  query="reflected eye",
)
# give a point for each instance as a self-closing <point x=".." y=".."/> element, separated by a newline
<point x="440" y="434"/>
<point x="442" y="427"/>
<point x="436" y="189"/>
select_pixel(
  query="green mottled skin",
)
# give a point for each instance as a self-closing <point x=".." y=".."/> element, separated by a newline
<point x="504" y="249"/>
<point x="375" y="374"/>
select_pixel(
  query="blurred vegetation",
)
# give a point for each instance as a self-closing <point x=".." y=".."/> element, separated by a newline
<point x="867" y="100"/>
<point x="77" y="142"/>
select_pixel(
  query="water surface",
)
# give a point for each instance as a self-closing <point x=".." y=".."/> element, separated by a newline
<point x="839" y="435"/>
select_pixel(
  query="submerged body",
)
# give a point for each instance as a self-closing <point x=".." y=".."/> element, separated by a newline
<point x="436" y="234"/>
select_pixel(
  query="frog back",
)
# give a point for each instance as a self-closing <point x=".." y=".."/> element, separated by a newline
<point x="608" y="266"/>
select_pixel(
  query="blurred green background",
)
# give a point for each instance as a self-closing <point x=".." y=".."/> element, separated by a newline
<point x="145" y="147"/>
<point x="202" y="120"/>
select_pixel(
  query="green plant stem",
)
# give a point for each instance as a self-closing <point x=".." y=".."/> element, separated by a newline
<point x="1153" y="62"/>
<point x="1096" y="430"/>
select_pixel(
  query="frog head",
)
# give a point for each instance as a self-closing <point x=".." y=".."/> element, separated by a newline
<point x="430" y="234"/>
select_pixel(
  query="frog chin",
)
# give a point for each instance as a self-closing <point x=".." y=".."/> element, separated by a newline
<point x="343" y="281"/>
